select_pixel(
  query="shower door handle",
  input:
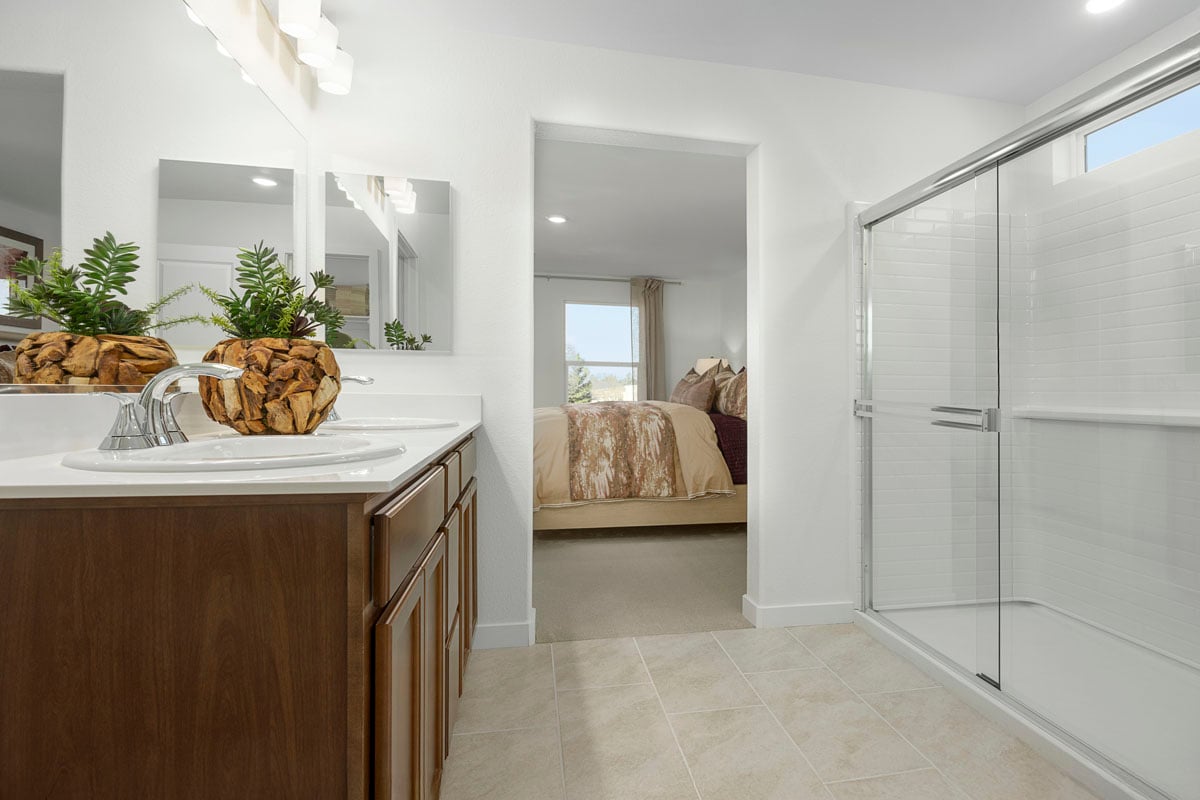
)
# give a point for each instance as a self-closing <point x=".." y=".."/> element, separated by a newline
<point x="987" y="420"/>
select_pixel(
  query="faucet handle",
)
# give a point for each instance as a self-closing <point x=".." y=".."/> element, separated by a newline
<point x="364" y="380"/>
<point x="128" y="430"/>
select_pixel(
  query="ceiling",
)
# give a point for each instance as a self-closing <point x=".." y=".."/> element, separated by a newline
<point x="31" y="170"/>
<point x="194" y="180"/>
<point x="636" y="211"/>
<point x="1013" y="51"/>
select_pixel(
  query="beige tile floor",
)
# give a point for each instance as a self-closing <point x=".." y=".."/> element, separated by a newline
<point x="820" y="712"/>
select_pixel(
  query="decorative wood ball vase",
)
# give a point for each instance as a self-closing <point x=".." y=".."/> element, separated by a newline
<point x="106" y="360"/>
<point x="288" y="386"/>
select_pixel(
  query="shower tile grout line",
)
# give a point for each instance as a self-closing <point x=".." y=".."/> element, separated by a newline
<point x="670" y="727"/>
<point x="771" y="711"/>
<point x="875" y="711"/>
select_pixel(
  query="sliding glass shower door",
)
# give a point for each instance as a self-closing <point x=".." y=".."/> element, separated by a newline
<point x="932" y="390"/>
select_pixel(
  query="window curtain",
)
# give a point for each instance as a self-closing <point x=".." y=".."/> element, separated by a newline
<point x="646" y="296"/>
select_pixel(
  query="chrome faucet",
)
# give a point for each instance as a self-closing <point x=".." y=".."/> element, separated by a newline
<point x="362" y="380"/>
<point x="147" y="420"/>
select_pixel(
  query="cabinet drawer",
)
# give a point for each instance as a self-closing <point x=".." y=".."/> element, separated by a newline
<point x="467" y="451"/>
<point x="404" y="528"/>
<point x="451" y="462"/>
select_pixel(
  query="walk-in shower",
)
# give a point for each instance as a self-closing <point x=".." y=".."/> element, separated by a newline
<point x="1030" y="404"/>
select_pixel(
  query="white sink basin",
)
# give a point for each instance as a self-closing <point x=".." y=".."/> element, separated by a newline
<point x="224" y="453"/>
<point x="386" y="424"/>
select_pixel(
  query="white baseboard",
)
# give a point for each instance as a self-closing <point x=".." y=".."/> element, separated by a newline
<point x="503" y="634"/>
<point x="762" y="616"/>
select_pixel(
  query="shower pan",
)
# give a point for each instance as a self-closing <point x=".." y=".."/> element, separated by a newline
<point x="1029" y="395"/>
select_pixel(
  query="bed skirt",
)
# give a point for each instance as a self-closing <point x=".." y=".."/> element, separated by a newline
<point x="725" y="509"/>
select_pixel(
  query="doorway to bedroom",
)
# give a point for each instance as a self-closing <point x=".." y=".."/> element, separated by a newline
<point x="640" y="439"/>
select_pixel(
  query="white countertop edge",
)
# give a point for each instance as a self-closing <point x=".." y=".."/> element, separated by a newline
<point x="44" y="477"/>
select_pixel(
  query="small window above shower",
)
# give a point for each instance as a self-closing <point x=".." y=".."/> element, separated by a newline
<point x="1151" y="122"/>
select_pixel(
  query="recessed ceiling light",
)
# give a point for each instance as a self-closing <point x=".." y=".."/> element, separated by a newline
<point x="1100" y="6"/>
<point x="261" y="181"/>
<point x="557" y="219"/>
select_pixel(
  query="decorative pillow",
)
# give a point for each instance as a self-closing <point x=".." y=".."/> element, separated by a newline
<point x="723" y="376"/>
<point x="696" y="390"/>
<point x="731" y="399"/>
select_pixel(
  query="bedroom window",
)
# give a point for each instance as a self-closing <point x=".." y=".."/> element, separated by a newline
<point x="1146" y="127"/>
<point x="600" y="352"/>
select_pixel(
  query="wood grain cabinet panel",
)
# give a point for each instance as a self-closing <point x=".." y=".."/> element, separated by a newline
<point x="290" y="646"/>
<point x="400" y="694"/>
<point x="404" y="528"/>
<point x="469" y="567"/>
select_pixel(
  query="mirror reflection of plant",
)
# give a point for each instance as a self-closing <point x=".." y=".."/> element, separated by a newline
<point x="273" y="302"/>
<point x="83" y="299"/>
<point x="401" y="339"/>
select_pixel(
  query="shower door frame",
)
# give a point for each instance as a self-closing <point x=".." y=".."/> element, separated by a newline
<point x="1173" y="65"/>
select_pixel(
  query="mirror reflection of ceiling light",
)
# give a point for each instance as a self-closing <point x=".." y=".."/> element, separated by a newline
<point x="262" y="181"/>
<point x="246" y="77"/>
<point x="221" y="49"/>
<point x="400" y="191"/>
<point x="300" y="18"/>
<point x="193" y="16"/>
<point x="1100" y="6"/>
<point x="557" y="219"/>
<point x="338" y="76"/>
<point x="319" y="51"/>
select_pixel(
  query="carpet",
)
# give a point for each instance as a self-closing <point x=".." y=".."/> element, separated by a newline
<point x="638" y="581"/>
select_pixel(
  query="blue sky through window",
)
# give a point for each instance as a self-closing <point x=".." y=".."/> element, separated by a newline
<point x="1175" y="116"/>
<point x="600" y="333"/>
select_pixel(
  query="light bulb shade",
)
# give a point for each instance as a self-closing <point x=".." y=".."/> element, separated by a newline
<point x="319" y="51"/>
<point x="396" y="187"/>
<point x="338" y="76"/>
<point x="300" y="18"/>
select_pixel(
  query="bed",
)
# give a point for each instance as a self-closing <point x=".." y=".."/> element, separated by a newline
<point x="579" y="452"/>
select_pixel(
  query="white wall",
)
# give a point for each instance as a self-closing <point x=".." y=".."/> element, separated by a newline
<point x="225" y="224"/>
<point x="164" y="93"/>
<point x="819" y="144"/>
<point x="474" y="99"/>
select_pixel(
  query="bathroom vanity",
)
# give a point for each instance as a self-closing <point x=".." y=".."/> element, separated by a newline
<point x="302" y="635"/>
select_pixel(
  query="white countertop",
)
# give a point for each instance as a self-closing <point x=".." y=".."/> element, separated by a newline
<point x="43" y="475"/>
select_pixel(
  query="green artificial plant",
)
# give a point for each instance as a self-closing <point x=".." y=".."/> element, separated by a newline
<point x="273" y="302"/>
<point x="401" y="339"/>
<point x="83" y="299"/>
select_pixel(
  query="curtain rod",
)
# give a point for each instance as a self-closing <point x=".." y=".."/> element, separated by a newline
<point x="1146" y="78"/>
<point x="607" y="278"/>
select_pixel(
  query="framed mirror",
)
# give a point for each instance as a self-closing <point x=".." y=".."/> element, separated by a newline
<point x="206" y="214"/>
<point x="30" y="181"/>
<point x="388" y="247"/>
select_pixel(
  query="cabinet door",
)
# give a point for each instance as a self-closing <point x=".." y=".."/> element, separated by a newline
<point x="454" y="676"/>
<point x="399" y="694"/>
<point x="469" y="586"/>
<point x="433" y="655"/>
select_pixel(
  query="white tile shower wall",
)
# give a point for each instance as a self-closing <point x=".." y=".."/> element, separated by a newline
<point x="1107" y="516"/>
<point x="933" y="300"/>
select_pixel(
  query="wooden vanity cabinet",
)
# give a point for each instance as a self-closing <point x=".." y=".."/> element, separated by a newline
<point x="287" y="646"/>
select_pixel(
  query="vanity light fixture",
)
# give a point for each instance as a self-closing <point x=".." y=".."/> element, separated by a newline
<point x="338" y="76"/>
<point x="300" y="18"/>
<point x="557" y="219"/>
<point x="319" y="51"/>
<point x="1101" y="6"/>
<point x="264" y="181"/>
<point x="193" y="16"/>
